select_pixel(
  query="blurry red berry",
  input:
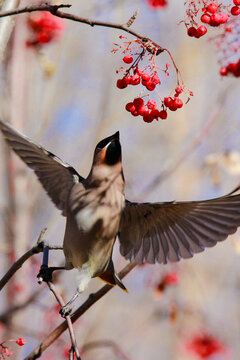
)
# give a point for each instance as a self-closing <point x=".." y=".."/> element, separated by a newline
<point x="121" y="84"/>
<point x="138" y="102"/>
<point x="150" y="86"/>
<point x="235" y="10"/>
<point x="143" y="110"/>
<point x="151" y="104"/>
<point x="215" y="19"/>
<point x="236" y="2"/>
<point x="223" y="71"/>
<point x="145" y="76"/>
<point x="138" y="71"/>
<point x="179" y="89"/>
<point x="212" y="8"/>
<point x="201" y="30"/>
<point x="157" y="3"/>
<point x="148" y="118"/>
<point x="128" y="79"/>
<point x="155" y="79"/>
<point x="155" y="113"/>
<point x="192" y="31"/>
<point x="130" y="107"/>
<point x="20" y="341"/>
<point x="205" y="18"/>
<point x="168" y="101"/>
<point x="135" y="113"/>
<point x="135" y="80"/>
<point x="128" y="59"/>
<point x="224" y="18"/>
<point x="163" y="114"/>
<point x="178" y="102"/>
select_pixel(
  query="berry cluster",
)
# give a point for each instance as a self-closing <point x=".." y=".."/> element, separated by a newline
<point x="205" y="346"/>
<point x="149" y="78"/>
<point x="4" y="350"/>
<point x="214" y="14"/>
<point x="157" y="3"/>
<point x="233" y="68"/>
<point x="45" y="28"/>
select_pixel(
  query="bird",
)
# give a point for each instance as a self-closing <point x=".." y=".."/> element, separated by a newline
<point x="97" y="212"/>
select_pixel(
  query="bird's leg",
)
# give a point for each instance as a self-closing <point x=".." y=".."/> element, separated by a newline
<point x="83" y="278"/>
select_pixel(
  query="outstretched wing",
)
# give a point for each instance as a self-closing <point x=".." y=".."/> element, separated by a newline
<point x="162" y="232"/>
<point x="56" y="177"/>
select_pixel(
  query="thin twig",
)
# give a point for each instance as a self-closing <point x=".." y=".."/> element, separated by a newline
<point x="92" y="299"/>
<point x="68" y="319"/>
<point x="32" y="8"/>
<point x="59" y="300"/>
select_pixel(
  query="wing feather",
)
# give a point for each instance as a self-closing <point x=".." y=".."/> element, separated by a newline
<point x="56" y="176"/>
<point x="162" y="232"/>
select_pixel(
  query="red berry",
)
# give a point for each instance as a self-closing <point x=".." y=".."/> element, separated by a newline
<point x="163" y="114"/>
<point x="223" y="71"/>
<point x="130" y="107"/>
<point x="135" y="80"/>
<point x="236" y="2"/>
<point x="155" y="113"/>
<point x="168" y="101"/>
<point x="148" y="118"/>
<point x="205" y="18"/>
<point x="145" y="77"/>
<point x="224" y="18"/>
<point x="179" y="89"/>
<point x="151" y="104"/>
<point x="150" y="86"/>
<point x="192" y="31"/>
<point x="135" y="113"/>
<point x="128" y="79"/>
<point x="201" y="30"/>
<point x="178" y="102"/>
<point x="216" y="18"/>
<point x="143" y="110"/>
<point x="122" y="84"/>
<point x="21" y="341"/>
<point x="212" y="8"/>
<point x="235" y="10"/>
<point x="138" y="102"/>
<point x="128" y="59"/>
<point x="138" y="71"/>
<point x="155" y="79"/>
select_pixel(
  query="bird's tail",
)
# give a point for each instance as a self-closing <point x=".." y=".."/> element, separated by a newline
<point x="110" y="277"/>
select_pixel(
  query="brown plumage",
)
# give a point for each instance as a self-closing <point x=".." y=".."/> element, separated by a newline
<point x="96" y="212"/>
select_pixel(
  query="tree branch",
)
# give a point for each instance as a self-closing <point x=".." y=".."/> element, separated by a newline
<point x="54" y="9"/>
<point x="92" y="299"/>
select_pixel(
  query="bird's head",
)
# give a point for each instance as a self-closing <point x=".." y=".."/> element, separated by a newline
<point x="107" y="158"/>
<point x="108" y="151"/>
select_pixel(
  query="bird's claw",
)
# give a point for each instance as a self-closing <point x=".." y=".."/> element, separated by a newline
<point x="45" y="274"/>
<point x="65" y="310"/>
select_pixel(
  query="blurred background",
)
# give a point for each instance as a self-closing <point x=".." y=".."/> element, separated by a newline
<point x="64" y="96"/>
